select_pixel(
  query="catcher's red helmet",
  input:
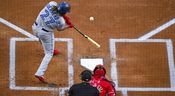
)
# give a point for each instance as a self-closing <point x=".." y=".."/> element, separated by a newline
<point x="99" y="70"/>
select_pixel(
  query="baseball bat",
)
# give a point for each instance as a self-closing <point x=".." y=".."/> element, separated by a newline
<point x="87" y="37"/>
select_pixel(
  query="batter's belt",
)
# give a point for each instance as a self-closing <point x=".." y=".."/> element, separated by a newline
<point x="42" y="28"/>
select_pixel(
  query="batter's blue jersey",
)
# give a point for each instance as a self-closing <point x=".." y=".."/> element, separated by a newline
<point x="49" y="18"/>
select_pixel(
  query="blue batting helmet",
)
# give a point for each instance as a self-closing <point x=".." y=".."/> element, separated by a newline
<point x="63" y="7"/>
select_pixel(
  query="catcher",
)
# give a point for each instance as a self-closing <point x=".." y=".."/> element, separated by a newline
<point x="99" y="81"/>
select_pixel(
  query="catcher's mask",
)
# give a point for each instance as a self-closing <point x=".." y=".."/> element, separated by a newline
<point x="86" y="75"/>
<point x="63" y="8"/>
<point x="99" y="70"/>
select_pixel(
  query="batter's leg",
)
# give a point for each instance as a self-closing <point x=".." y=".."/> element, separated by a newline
<point x="48" y="46"/>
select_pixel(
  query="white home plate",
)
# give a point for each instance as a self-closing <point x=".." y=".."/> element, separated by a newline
<point x="91" y="63"/>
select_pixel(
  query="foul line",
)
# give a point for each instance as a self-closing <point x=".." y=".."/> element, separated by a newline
<point x="5" y="22"/>
<point x="157" y="30"/>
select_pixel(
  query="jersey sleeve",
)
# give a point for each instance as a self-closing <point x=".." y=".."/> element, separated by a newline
<point x="61" y="24"/>
<point x="111" y="90"/>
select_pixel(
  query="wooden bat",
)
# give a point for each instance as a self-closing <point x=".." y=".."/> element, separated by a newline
<point x="87" y="37"/>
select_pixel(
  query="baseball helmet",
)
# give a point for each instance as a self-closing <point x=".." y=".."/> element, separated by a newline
<point x="63" y="7"/>
<point x="86" y="75"/>
<point x="99" y="70"/>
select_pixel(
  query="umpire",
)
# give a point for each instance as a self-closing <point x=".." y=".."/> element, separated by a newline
<point x="84" y="88"/>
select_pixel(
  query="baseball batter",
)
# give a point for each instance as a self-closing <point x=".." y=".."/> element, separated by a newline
<point x="51" y="17"/>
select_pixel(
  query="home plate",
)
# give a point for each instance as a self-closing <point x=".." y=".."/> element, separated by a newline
<point x="91" y="63"/>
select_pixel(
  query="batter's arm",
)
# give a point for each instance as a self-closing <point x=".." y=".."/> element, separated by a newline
<point x="65" y="27"/>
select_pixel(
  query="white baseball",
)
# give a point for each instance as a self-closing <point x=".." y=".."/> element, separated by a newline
<point x="91" y="18"/>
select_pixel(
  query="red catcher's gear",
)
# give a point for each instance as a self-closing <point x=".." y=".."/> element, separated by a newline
<point x="101" y="83"/>
<point x="104" y="86"/>
<point x="99" y="72"/>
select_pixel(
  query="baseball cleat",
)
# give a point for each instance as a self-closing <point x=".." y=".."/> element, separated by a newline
<point x="41" y="78"/>
<point x="55" y="52"/>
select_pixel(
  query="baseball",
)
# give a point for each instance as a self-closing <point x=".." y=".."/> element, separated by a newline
<point x="91" y="18"/>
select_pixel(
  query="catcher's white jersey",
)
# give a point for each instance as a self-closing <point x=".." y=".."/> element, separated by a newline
<point x="50" y="19"/>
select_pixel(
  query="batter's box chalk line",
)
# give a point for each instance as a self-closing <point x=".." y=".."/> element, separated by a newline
<point x="12" y="72"/>
<point x="114" y="72"/>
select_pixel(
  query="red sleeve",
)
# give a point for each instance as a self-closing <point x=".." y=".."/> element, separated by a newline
<point x="67" y="20"/>
<point x="110" y="90"/>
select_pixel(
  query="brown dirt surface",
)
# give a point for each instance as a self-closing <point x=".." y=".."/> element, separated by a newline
<point x="139" y="64"/>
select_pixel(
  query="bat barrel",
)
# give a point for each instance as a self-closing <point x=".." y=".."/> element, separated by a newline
<point x="98" y="45"/>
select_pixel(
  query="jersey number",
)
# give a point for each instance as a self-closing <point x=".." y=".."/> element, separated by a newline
<point x="45" y="16"/>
